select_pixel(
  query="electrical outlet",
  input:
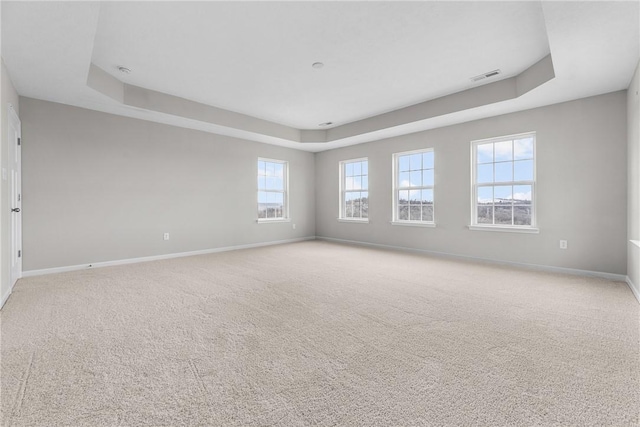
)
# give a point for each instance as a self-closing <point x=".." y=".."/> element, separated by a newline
<point x="166" y="236"/>
<point x="563" y="244"/>
<point x="294" y="226"/>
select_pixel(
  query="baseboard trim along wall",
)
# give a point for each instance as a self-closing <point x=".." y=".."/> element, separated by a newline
<point x="5" y="297"/>
<point x="552" y="269"/>
<point x="548" y="268"/>
<point x="54" y="270"/>
<point x="633" y="288"/>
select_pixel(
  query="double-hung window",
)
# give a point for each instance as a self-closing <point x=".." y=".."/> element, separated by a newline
<point x="503" y="183"/>
<point x="273" y="188"/>
<point x="413" y="187"/>
<point x="354" y="190"/>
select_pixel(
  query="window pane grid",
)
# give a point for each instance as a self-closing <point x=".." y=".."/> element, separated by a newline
<point x="414" y="186"/>
<point x="354" y="194"/>
<point x="504" y="182"/>
<point x="519" y="204"/>
<point x="272" y="190"/>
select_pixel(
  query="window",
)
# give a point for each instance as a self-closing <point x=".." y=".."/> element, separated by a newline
<point x="413" y="187"/>
<point x="354" y="190"/>
<point x="273" y="185"/>
<point x="503" y="171"/>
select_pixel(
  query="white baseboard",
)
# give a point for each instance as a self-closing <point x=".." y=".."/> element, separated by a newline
<point x="53" y="270"/>
<point x="548" y="268"/>
<point x="5" y="297"/>
<point x="7" y="294"/>
<point x="553" y="269"/>
<point x="634" y="288"/>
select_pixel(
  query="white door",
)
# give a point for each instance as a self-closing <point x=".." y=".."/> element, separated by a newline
<point x="15" y="196"/>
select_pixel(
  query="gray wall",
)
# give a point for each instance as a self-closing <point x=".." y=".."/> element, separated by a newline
<point x="100" y="187"/>
<point x="8" y="95"/>
<point x="581" y="188"/>
<point x="633" y="217"/>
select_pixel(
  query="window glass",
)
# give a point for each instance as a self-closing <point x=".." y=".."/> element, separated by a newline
<point x="354" y="186"/>
<point x="272" y="190"/>
<point x="504" y="180"/>
<point x="414" y="186"/>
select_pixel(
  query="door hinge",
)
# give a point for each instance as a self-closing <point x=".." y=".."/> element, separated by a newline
<point x="19" y="141"/>
<point x="19" y="198"/>
<point x="19" y="254"/>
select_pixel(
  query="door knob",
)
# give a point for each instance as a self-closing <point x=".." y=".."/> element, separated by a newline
<point x="15" y="210"/>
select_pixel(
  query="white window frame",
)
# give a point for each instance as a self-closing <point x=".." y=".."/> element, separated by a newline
<point x="474" y="225"/>
<point x="396" y="189"/>
<point x="285" y="192"/>
<point x="343" y="191"/>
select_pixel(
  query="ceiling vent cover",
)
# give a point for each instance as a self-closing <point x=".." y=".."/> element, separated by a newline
<point x="485" y="75"/>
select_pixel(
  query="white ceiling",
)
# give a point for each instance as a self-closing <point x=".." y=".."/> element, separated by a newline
<point x="255" y="58"/>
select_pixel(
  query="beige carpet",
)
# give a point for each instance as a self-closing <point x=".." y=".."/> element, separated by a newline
<point x="319" y="334"/>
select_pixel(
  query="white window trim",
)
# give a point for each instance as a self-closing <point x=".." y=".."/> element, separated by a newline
<point x="414" y="224"/>
<point x="285" y="208"/>
<point x="395" y="189"/>
<point x="341" y="191"/>
<point x="474" y="226"/>
<point x="505" y="229"/>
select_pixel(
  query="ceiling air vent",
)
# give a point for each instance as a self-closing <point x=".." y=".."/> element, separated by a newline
<point x="485" y="75"/>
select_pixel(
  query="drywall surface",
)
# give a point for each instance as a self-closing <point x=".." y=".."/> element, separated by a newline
<point x="581" y="188"/>
<point x="633" y="217"/>
<point x="99" y="187"/>
<point x="8" y="95"/>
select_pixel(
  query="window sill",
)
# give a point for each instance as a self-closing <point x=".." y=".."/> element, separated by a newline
<point x="414" y="224"/>
<point x="528" y="230"/>
<point x="267" y="221"/>
<point x="355" y="220"/>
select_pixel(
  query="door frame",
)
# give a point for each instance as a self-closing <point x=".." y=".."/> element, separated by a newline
<point x="14" y="165"/>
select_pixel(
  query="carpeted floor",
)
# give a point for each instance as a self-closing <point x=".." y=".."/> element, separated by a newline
<point x="319" y="334"/>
